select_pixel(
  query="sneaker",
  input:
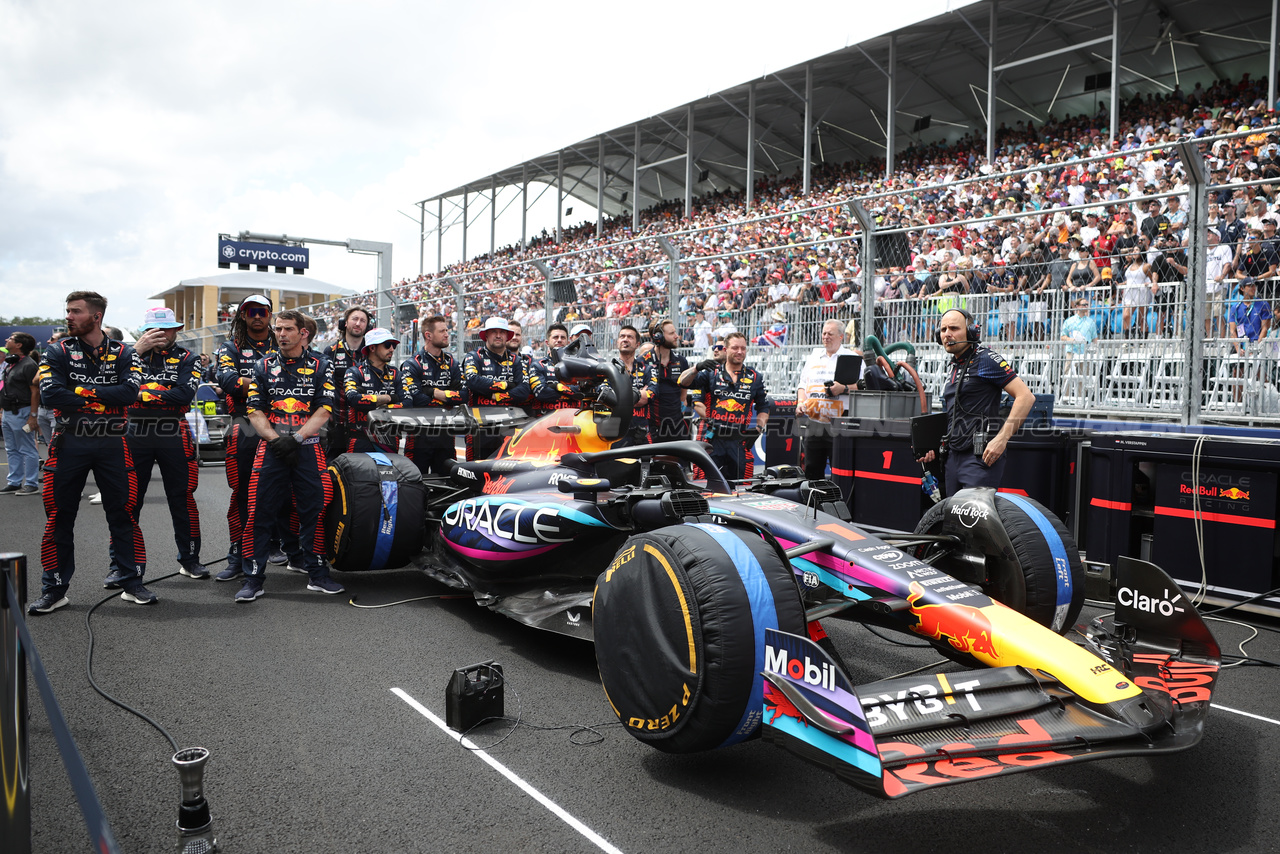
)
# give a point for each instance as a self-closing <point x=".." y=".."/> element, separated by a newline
<point x="96" y="498"/>
<point x="193" y="569"/>
<point x="325" y="585"/>
<point x="277" y="556"/>
<point x="231" y="573"/>
<point x="28" y="489"/>
<point x="251" y="590"/>
<point x="117" y="578"/>
<point x="11" y="489"/>
<point x="47" y="603"/>
<point x="137" y="593"/>
<point x="293" y="567"/>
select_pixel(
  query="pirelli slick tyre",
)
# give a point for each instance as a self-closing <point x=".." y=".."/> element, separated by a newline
<point x="374" y="520"/>
<point x="679" y="619"/>
<point x="1015" y="549"/>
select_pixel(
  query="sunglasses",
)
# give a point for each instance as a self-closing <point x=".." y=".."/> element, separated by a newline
<point x="258" y="311"/>
<point x="718" y="347"/>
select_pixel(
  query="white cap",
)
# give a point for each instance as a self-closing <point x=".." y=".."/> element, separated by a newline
<point x="579" y="329"/>
<point x="496" y="323"/>
<point x="378" y="335"/>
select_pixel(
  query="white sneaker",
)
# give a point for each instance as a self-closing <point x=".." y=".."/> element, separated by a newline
<point x="96" y="498"/>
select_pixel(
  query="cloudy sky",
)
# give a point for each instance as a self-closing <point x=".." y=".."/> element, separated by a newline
<point x="132" y="134"/>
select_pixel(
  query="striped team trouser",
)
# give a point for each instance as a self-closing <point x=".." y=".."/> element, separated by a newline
<point x="270" y="485"/>
<point x="71" y="458"/>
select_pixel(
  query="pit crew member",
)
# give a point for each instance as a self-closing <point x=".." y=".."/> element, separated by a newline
<point x="251" y="340"/>
<point x="734" y="390"/>
<point x="88" y="379"/>
<point x="493" y="378"/>
<point x="343" y="354"/>
<point x="373" y="383"/>
<point x="643" y="381"/>
<point x="433" y="378"/>
<point x="290" y="398"/>
<point x="666" y="409"/>
<point x="549" y="394"/>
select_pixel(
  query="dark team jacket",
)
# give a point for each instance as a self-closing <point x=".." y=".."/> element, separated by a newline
<point x="361" y="388"/>
<point x="421" y="375"/>
<point x="666" y="406"/>
<point x="545" y="388"/>
<point x="979" y="377"/>
<point x="289" y="391"/>
<point x="729" y="402"/>
<point x="169" y="382"/>
<point x="341" y="359"/>
<point x="236" y="362"/>
<point x="643" y="378"/>
<point x="89" y="388"/>
<point x="495" y="380"/>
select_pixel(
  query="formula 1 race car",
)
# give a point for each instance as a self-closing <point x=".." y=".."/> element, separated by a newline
<point x="705" y="601"/>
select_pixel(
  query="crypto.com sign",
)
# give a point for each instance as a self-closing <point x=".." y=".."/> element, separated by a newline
<point x="263" y="254"/>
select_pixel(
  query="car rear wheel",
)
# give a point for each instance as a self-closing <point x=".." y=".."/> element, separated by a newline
<point x="679" y="619"/>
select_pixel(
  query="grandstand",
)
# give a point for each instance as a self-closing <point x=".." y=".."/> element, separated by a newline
<point x="1023" y="168"/>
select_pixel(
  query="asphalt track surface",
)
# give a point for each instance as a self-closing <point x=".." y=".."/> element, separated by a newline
<point x="313" y="751"/>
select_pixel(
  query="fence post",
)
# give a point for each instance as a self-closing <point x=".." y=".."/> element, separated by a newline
<point x="868" y="262"/>
<point x="15" y="812"/>
<point x="673" y="278"/>
<point x="548" y="307"/>
<point x="460" y="324"/>
<point x="1197" y="271"/>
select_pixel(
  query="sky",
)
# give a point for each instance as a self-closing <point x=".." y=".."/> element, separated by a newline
<point x="133" y="134"/>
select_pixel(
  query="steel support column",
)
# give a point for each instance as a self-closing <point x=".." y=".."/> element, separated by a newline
<point x="751" y="145"/>
<point x="493" y="214"/>
<point x="439" y="235"/>
<point x="524" y="207"/>
<point x="688" y="164"/>
<point x="599" y="186"/>
<point x="891" y="108"/>
<point x="548" y="307"/>
<point x="559" y="196"/>
<point x="673" y="276"/>
<point x="465" y="217"/>
<point x="1197" y="255"/>
<point x="808" y="125"/>
<point x="635" y="183"/>
<point x="1115" y="74"/>
<point x="867" y="259"/>
<point x="459" y="320"/>
<point x="991" y="86"/>
<point x="422" y="236"/>
<point x="1271" y="58"/>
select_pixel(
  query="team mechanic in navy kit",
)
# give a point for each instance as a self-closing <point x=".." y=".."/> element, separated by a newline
<point x="343" y="354"/>
<point x="251" y="340"/>
<point x="666" y="409"/>
<point x="432" y="378"/>
<point x="644" y="381"/>
<point x="732" y="390"/>
<point x="88" y="380"/>
<point x="493" y="378"/>
<point x="159" y="435"/>
<point x="549" y="394"/>
<point x="373" y="383"/>
<point x="977" y="378"/>
<point x="290" y="398"/>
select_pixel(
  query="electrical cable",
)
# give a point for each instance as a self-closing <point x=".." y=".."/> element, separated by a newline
<point x="1197" y="517"/>
<point x="352" y="600"/>
<point x="1241" y="602"/>
<point x="519" y="721"/>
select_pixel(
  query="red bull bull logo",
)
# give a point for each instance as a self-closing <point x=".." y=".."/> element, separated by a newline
<point x="965" y="627"/>
<point x="1235" y="494"/>
<point x="93" y="408"/>
<point x="290" y="404"/>
<point x="730" y="405"/>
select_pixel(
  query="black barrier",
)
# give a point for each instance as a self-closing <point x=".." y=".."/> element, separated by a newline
<point x="1148" y="493"/>
<point x="872" y="463"/>
<point x="781" y="442"/>
<point x="15" y="815"/>
<point x="17" y="835"/>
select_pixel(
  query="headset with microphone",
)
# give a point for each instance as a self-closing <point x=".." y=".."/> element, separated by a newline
<point x="657" y="337"/>
<point x="973" y="331"/>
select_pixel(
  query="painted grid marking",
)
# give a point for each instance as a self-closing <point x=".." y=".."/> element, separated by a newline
<point x="1246" y="714"/>
<point x="595" y="838"/>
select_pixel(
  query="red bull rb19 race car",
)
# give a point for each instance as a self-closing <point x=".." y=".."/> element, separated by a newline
<point x="706" y="601"/>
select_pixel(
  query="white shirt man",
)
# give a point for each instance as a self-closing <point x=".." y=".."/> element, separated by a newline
<point x="813" y="401"/>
